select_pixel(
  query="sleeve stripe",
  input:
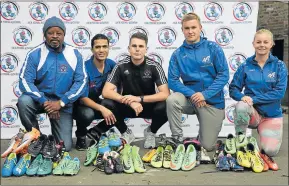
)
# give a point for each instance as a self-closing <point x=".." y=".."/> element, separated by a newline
<point x="25" y="84"/>
<point x="160" y="71"/>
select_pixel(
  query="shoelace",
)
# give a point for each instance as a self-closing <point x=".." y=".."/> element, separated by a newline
<point x="256" y="158"/>
<point x="159" y="156"/>
<point x="178" y="154"/>
<point x="7" y="165"/>
<point x="167" y="155"/>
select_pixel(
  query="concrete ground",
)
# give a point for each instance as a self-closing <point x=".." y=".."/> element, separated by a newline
<point x="198" y="176"/>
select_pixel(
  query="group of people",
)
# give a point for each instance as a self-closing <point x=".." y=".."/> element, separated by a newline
<point x="55" y="80"/>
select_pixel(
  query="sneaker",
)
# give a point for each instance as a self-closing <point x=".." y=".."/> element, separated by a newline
<point x="94" y="134"/>
<point x="190" y="158"/>
<point x="223" y="163"/>
<point x="205" y="158"/>
<point x="126" y="158"/>
<point x="91" y="154"/>
<point x="269" y="161"/>
<point x="150" y="139"/>
<point x="241" y="140"/>
<point x="233" y="163"/>
<point x="103" y="145"/>
<point x="157" y="159"/>
<point x="60" y="151"/>
<point x="230" y="145"/>
<point x="36" y="146"/>
<point x="255" y="143"/>
<point x="81" y="143"/>
<point x="99" y="163"/>
<point x="118" y="167"/>
<point x="254" y="158"/>
<point x="108" y="163"/>
<point x="9" y="165"/>
<point x="177" y="160"/>
<point x="198" y="149"/>
<point x="27" y="139"/>
<point x="72" y="167"/>
<point x="59" y="169"/>
<point x="137" y="162"/>
<point x="242" y="158"/>
<point x="148" y="156"/>
<point x="22" y="165"/>
<point x="45" y="168"/>
<point x="168" y="156"/>
<point x="34" y="166"/>
<point x="113" y="139"/>
<point x="49" y="150"/>
<point x="128" y="136"/>
<point x="14" y="142"/>
<point x="219" y="149"/>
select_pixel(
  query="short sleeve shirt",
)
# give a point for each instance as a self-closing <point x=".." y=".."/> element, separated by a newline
<point x="96" y="80"/>
<point x="137" y="80"/>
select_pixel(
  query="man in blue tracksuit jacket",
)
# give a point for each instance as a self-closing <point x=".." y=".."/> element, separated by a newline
<point x="51" y="79"/>
<point x="202" y="66"/>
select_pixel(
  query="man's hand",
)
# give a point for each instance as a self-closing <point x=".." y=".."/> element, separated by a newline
<point x="197" y="97"/>
<point x="247" y="99"/>
<point x="51" y="106"/>
<point x="128" y="99"/>
<point x="137" y="107"/>
<point x="55" y="115"/>
<point x="201" y="104"/>
<point x="108" y="116"/>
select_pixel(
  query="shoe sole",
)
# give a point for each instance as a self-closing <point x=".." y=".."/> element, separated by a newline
<point x="205" y="162"/>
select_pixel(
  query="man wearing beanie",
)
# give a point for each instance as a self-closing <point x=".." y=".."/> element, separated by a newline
<point x="52" y="78"/>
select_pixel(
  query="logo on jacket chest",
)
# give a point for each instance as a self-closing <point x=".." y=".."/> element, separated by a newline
<point x="63" y="68"/>
<point x="271" y="77"/>
<point x="206" y="61"/>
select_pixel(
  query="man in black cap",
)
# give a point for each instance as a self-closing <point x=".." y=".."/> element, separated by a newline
<point x="51" y="79"/>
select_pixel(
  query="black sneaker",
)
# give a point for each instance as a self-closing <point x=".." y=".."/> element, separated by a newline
<point x="50" y="150"/>
<point x="81" y="143"/>
<point x="108" y="163"/>
<point x="94" y="134"/>
<point x="36" y="146"/>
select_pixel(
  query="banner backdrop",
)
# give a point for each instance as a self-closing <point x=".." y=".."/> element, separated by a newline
<point x="231" y="24"/>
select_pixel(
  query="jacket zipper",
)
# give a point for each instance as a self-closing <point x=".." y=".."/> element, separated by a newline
<point x="55" y="73"/>
<point x="199" y="72"/>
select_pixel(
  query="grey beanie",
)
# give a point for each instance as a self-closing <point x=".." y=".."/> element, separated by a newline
<point x="53" y="22"/>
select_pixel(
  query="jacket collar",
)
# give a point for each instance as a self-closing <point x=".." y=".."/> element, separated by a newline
<point x="194" y="45"/>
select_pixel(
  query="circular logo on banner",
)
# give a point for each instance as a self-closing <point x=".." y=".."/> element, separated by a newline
<point x="126" y="11"/>
<point x="156" y="57"/>
<point x="167" y="36"/>
<point x="41" y="118"/>
<point x="138" y="29"/>
<point x="155" y="11"/>
<point x="38" y="11"/>
<point x="9" y="10"/>
<point x="148" y="121"/>
<point x="121" y="57"/>
<point x="112" y="34"/>
<point x="80" y="36"/>
<point x="126" y="120"/>
<point x="9" y="62"/>
<point x="236" y="60"/>
<point x="183" y="8"/>
<point x="226" y="90"/>
<point x="97" y="11"/>
<point x="68" y="11"/>
<point x="230" y="113"/>
<point x="9" y="115"/>
<point x="223" y="36"/>
<point x="242" y="11"/>
<point x="22" y="36"/>
<point x="16" y="90"/>
<point x="213" y="11"/>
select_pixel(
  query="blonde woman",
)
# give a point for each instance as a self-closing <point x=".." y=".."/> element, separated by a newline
<point x="264" y="78"/>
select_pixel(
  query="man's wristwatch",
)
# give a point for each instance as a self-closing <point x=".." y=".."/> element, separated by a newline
<point x="141" y="99"/>
<point x="62" y="104"/>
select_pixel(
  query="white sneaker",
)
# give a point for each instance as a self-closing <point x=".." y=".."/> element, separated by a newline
<point x="205" y="158"/>
<point x="128" y="136"/>
<point x="150" y="139"/>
